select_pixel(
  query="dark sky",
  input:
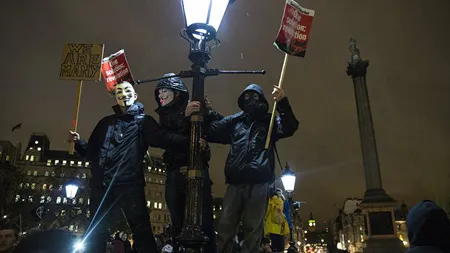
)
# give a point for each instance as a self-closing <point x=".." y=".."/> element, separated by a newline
<point x="406" y="42"/>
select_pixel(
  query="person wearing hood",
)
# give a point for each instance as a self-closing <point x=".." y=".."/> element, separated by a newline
<point x="249" y="169"/>
<point x="428" y="229"/>
<point x="116" y="149"/>
<point x="174" y="109"/>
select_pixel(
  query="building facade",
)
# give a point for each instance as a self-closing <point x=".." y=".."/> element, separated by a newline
<point x="41" y="198"/>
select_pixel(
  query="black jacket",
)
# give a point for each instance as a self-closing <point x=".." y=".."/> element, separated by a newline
<point x="248" y="162"/>
<point x="118" y="145"/>
<point x="428" y="229"/>
<point x="172" y="117"/>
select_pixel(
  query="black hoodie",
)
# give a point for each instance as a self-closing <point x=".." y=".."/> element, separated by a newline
<point x="119" y="143"/>
<point x="428" y="228"/>
<point x="172" y="117"/>
<point x="248" y="162"/>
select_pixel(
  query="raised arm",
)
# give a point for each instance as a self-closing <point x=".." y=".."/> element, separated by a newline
<point x="220" y="131"/>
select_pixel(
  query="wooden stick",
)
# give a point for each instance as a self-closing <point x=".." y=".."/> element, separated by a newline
<point x="75" y="117"/>
<point x="274" y="109"/>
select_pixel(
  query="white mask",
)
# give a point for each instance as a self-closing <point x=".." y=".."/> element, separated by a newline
<point x="125" y="94"/>
<point x="165" y="96"/>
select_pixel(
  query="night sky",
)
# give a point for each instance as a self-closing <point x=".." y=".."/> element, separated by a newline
<point x="408" y="79"/>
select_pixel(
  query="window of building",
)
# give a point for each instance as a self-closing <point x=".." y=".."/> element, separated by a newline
<point x="31" y="148"/>
<point x="63" y="212"/>
<point x="20" y="185"/>
<point x="78" y="175"/>
<point x="35" y="173"/>
<point x="32" y="158"/>
<point x="17" y="198"/>
<point x="88" y="213"/>
<point x="74" y="201"/>
<point x="60" y="187"/>
<point x="49" y="162"/>
<point x="33" y="186"/>
<point x="46" y="173"/>
<point x="36" y="142"/>
<point x="64" y="200"/>
<point x="80" y="201"/>
<point x="64" y="162"/>
<point x="27" y="185"/>
<point x="83" y="175"/>
<point x="155" y="205"/>
<point x="52" y="174"/>
<point x="160" y="205"/>
<point x="89" y="201"/>
<point x="44" y="187"/>
<point x="71" y="163"/>
<point x="39" y="149"/>
<point x="49" y="199"/>
<point x="148" y="203"/>
<point x="42" y="199"/>
<point x="58" y="200"/>
<point x="56" y="162"/>
<point x="27" y="157"/>
<point x="86" y="164"/>
<point x="149" y="168"/>
<point x="80" y="163"/>
<point x="29" y="173"/>
<point x="62" y="174"/>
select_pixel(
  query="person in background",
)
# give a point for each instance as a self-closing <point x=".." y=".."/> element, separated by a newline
<point x="8" y="238"/>
<point x="276" y="225"/>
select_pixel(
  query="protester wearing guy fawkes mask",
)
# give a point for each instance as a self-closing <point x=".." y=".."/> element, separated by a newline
<point x="249" y="169"/>
<point x="174" y="110"/>
<point x="116" y="149"/>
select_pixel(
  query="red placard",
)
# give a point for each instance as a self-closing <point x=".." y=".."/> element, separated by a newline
<point x="294" y="31"/>
<point x="115" y="69"/>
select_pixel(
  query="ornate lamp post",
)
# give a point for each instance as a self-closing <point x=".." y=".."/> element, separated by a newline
<point x="202" y="20"/>
<point x="288" y="180"/>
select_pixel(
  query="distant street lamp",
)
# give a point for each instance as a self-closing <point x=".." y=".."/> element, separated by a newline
<point x="288" y="180"/>
<point x="71" y="189"/>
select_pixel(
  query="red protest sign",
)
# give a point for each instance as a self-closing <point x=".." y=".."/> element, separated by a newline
<point x="115" y="69"/>
<point x="294" y="31"/>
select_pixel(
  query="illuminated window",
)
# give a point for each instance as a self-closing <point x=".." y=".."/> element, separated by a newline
<point x="31" y="148"/>
<point x="84" y="175"/>
<point x="74" y="201"/>
<point x="53" y="174"/>
<point x="33" y="185"/>
<point x="79" y="163"/>
<point x="64" y="162"/>
<point x="89" y="201"/>
<point x="35" y="173"/>
<point x="27" y="185"/>
<point x="36" y="142"/>
<point x="27" y="157"/>
<point x="71" y="163"/>
<point x="62" y="174"/>
<point x="42" y="199"/>
<point x="58" y="200"/>
<point x="44" y="187"/>
<point x="7" y="157"/>
<point x="155" y="205"/>
<point x="88" y="213"/>
<point x="46" y="174"/>
<point x="49" y="199"/>
<point x="214" y="216"/>
<point x="159" y="170"/>
<point x="80" y="201"/>
<point x="32" y="158"/>
<point x="56" y="162"/>
<point x="60" y="188"/>
<point x="49" y="162"/>
<point x="160" y="205"/>
<point x="148" y="203"/>
<point x="78" y="175"/>
<point x="86" y="164"/>
<point x="17" y="198"/>
<point x="149" y="168"/>
<point x="29" y="173"/>
<point x="64" y="200"/>
<point x="39" y="149"/>
<point x="50" y="187"/>
<point x="30" y="199"/>
<point x="20" y="185"/>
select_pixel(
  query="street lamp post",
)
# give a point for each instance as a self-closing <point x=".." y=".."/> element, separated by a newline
<point x="202" y="20"/>
<point x="288" y="180"/>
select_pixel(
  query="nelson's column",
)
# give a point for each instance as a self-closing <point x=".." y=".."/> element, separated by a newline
<point x="377" y="205"/>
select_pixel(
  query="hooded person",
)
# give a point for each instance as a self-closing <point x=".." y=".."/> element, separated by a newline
<point x="428" y="229"/>
<point x="249" y="168"/>
<point x="116" y="149"/>
<point x="174" y="110"/>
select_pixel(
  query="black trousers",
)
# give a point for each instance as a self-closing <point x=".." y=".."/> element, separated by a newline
<point x="176" y="184"/>
<point x="131" y="199"/>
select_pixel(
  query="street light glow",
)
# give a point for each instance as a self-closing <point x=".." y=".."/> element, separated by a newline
<point x="288" y="179"/>
<point x="79" y="246"/>
<point x="71" y="190"/>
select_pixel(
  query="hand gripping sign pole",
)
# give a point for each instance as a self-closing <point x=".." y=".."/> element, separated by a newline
<point x="80" y="62"/>
<point x="292" y="40"/>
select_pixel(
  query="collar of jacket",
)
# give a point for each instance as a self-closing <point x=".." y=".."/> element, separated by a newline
<point x="136" y="109"/>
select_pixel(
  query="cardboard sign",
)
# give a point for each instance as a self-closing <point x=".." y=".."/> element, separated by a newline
<point x="294" y="31"/>
<point x="115" y="69"/>
<point x="81" y="62"/>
